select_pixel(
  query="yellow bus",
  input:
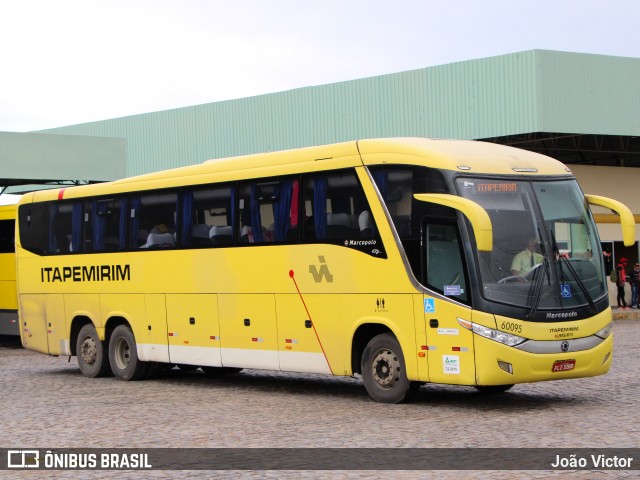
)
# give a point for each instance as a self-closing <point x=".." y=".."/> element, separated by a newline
<point x="8" y="295"/>
<point x="391" y="259"/>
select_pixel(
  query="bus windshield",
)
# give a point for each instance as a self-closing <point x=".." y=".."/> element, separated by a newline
<point x="546" y="253"/>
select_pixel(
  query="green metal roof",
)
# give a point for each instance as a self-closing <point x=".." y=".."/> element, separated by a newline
<point x="36" y="158"/>
<point x="532" y="91"/>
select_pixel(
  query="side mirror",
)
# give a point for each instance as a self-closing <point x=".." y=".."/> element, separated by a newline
<point x="627" y="222"/>
<point x="478" y="216"/>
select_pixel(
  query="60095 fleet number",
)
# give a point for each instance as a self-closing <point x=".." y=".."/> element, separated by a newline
<point x="511" y="327"/>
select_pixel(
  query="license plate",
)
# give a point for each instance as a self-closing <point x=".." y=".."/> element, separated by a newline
<point x="563" y="365"/>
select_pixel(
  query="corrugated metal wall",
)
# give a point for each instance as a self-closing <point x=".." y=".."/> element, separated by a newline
<point x="524" y="92"/>
<point x="591" y="94"/>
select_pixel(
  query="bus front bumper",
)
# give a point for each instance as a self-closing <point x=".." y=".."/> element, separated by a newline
<point x="499" y="364"/>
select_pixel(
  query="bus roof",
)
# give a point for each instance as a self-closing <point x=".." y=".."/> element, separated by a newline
<point x="458" y="155"/>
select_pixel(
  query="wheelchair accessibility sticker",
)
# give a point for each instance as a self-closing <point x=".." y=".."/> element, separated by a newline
<point x="429" y="305"/>
<point x="565" y="290"/>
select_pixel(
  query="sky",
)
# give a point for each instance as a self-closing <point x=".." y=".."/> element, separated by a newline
<point x="64" y="62"/>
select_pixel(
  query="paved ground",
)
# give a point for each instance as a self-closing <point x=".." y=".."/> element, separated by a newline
<point x="47" y="403"/>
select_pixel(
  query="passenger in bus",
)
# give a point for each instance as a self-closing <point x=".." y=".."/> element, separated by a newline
<point x="246" y="234"/>
<point x="527" y="258"/>
<point x="160" y="228"/>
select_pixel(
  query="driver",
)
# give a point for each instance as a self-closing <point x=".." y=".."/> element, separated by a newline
<point x="526" y="259"/>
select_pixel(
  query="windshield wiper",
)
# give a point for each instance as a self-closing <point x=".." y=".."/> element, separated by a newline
<point x="535" y="292"/>
<point x="574" y="274"/>
<point x="572" y="271"/>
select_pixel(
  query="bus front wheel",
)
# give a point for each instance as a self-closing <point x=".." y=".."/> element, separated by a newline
<point x="93" y="357"/>
<point x="384" y="372"/>
<point x="123" y="355"/>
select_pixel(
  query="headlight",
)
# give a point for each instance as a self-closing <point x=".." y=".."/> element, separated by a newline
<point x="496" y="335"/>
<point x="605" y="332"/>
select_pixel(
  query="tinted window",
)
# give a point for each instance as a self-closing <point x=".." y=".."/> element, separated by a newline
<point x="105" y="222"/>
<point x="65" y="227"/>
<point x="34" y="227"/>
<point x="336" y="211"/>
<point x="268" y="211"/>
<point x="153" y="220"/>
<point x="445" y="271"/>
<point x="207" y="216"/>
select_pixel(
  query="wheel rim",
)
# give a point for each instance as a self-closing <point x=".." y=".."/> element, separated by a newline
<point x="386" y="369"/>
<point x="122" y="353"/>
<point x="89" y="351"/>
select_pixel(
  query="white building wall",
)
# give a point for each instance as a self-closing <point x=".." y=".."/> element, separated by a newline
<point x="622" y="184"/>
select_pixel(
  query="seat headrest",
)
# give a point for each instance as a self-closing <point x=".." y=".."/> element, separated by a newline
<point x="217" y="230"/>
<point x="364" y="220"/>
<point x="160" y="239"/>
<point x="338" y="219"/>
<point x="200" y="231"/>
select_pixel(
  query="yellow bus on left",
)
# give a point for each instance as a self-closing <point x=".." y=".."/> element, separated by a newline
<point x="9" y="324"/>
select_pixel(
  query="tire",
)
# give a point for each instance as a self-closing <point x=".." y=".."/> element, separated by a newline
<point x="93" y="357"/>
<point x="493" y="388"/>
<point x="215" y="372"/>
<point x="384" y="371"/>
<point x="123" y="355"/>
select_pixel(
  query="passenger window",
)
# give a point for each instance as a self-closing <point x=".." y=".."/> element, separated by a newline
<point x="397" y="185"/>
<point x="65" y="227"/>
<point x="153" y="220"/>
<point x="207" y="216"/>
<point x="336" y="211"/>
<point x="268" y="211"/>
<point x="34" y="227"/>
<point x="105" y="223"/>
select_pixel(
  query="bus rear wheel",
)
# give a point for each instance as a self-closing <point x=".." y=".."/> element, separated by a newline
<point x="93" y="357"/>
<point x="384" y="371"/>
<point x="123" y="355"/>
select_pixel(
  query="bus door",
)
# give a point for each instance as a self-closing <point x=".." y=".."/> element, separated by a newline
<point x="248" y="334"/>
<point x="449" y="346"/>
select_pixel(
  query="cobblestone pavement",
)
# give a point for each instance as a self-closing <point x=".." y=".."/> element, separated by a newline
<point x="47" y="403"/>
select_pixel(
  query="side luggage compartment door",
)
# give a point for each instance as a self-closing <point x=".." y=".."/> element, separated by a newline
<point x="33" y="322"/>
<point x="248" y="333"/>
<point x="193" y="329"/>
<point x="298" y="344"/>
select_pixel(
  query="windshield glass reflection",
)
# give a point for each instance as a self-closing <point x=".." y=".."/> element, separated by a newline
<point x="546" y="253"/>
